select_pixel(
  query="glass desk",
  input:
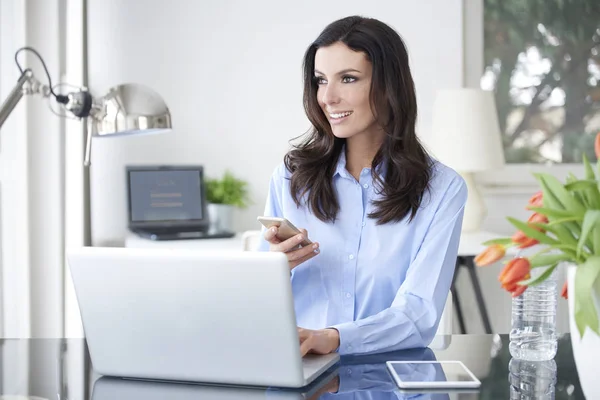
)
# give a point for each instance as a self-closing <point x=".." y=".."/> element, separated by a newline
<point x="55" y="369"/>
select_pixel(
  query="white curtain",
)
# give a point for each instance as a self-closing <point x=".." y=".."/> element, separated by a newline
<point x="42" y="178"/>
<point x="43" y="202"/>
<point x="14" y="233"/>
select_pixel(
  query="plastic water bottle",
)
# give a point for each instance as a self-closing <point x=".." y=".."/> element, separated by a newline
<point x="533" y="334"/>
<point x="532" y="379"/>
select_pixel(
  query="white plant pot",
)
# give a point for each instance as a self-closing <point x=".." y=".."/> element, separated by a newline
<point x="220" y="217"/>
<point x="586" y="350"/>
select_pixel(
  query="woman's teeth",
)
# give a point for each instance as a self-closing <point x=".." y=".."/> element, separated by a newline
<point x="340" y="115"/>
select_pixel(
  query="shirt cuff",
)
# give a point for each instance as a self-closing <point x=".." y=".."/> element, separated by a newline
<point x="349" y="340"/>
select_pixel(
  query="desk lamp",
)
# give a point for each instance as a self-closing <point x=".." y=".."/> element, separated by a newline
<point x="126" y="109"/>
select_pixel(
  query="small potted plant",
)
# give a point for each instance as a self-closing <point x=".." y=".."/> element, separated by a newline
<point x="565" y="223"/>
<point x="223" y="195"/>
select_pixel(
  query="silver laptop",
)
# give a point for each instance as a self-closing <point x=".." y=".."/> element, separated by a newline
<point x="186" y="315"/>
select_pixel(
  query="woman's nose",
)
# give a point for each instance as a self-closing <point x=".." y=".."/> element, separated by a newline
<point x="331" y="94"/>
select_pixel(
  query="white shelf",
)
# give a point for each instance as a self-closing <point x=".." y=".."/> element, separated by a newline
<point x="234" y="243"/>
<point x="470" y="243"/>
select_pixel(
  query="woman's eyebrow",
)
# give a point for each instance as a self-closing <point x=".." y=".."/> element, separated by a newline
<point x="344" y="71"/>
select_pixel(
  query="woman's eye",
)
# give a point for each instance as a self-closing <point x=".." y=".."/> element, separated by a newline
<point x="348" y="79"/>
<point x="319" y="80"/>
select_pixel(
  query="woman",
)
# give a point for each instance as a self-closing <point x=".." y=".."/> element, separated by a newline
<point x="384" y="216"/>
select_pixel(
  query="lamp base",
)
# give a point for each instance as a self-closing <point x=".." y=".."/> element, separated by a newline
<point x="475" y="210"/>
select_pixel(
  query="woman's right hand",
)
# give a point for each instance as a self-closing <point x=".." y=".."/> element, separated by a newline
<point x="296" y="254"/>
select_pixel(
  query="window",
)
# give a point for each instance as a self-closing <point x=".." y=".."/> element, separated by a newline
<point x="542" y="60"/>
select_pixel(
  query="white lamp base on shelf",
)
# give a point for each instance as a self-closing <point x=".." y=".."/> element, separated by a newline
<point x="475" y="210"/>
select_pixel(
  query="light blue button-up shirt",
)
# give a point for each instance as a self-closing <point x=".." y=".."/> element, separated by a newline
<point x="383" y="287"/>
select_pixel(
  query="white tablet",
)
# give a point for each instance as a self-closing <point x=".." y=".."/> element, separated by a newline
<point x="432" y="375"/>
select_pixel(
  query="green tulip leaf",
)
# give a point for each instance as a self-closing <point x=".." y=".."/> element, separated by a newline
<point x="500" y="241"/>
<point x="590" y="221"/>
<point x="543" y="260"/>
<point x="571" y="250"/>
<point x="532" y="233"/>
<point x="553" y="213"/>
<point x="539" y="279"/>
<point x="589" y="171"/>
<point x="582" y="184"/>
<point x="586" y="189"/>
<point x="549" y="199"/>
<point x="563" y="220"/>
<point x="563" y="234"/>
<point x="585" y="310"/>
<point x="562" y="195"/>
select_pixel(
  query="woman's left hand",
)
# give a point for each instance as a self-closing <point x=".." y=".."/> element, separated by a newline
<point x="322" y="341"/>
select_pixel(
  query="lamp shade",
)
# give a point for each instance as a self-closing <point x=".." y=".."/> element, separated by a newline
<point x="130" y="109"/>
<point x="465" y="130"/>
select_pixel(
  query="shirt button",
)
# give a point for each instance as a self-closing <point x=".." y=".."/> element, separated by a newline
<point x="348" y="295"/>
<point x="349" y="371"/>
<point x="351" y="256"/>
<point x="365" y="186"/>
<point x="364" y="223"/>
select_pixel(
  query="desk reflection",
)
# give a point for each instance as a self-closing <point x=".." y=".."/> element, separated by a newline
<point x="532" y="380"/>
<point x="367" y="377"/>
<point x="354" y="377"/>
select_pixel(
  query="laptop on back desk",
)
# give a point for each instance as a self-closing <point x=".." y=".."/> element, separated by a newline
<point x="169" y="202"/>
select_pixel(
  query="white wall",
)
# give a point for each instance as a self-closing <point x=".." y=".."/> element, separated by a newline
<point x="230" y="72"/>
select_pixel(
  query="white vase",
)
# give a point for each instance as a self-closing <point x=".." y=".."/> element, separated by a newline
<point x="586" y="350"/>
<point x="220" y="217"/>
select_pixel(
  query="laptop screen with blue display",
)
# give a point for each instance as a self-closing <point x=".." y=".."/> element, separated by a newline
<point x="166" y="198"/>
<point x="166" y="195"/>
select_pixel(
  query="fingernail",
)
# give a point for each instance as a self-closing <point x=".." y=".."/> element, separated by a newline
<point x="273" y="229"/>
<point x="317" y="251"/>
<point x="299" y="237"/>
<point x="315" y="246"/>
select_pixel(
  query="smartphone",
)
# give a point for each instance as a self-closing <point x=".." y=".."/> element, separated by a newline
<point x="285" y="229"/>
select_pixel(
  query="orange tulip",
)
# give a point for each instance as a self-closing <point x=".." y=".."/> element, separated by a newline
<point x="538" y="218"/>
<point x="521" y="239"/>
<point x="519" y="290"/>
<point x="564" y="292"/>
<point x="490" y="255"/>
<point x="535" y="200"/>
<point x="515" y="271"/>
<point x="597" y="146"/>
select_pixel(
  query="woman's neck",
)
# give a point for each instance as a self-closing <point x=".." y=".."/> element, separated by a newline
<point x="360" y="151"/>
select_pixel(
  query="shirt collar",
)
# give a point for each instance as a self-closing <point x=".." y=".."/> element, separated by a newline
<point x="341" y="170"/>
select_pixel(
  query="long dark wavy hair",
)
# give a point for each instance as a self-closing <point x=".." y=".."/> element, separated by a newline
<point x="393" y="100"/>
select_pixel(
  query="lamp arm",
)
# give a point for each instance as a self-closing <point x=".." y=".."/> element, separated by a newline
<point x="14" y="96"/>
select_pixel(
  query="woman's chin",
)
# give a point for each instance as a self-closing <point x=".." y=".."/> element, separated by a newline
<point x="342" y="133"/>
